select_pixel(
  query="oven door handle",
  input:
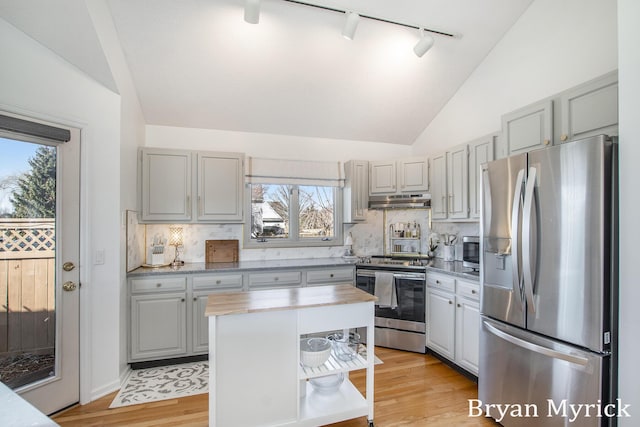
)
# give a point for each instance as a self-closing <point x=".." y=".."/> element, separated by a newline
<point x="409" y="276"/>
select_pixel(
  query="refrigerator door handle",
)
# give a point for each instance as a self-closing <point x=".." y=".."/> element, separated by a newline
<point x="571" y="358"/>
<point x="515" y="233"/>
<point x="527" y="263"/>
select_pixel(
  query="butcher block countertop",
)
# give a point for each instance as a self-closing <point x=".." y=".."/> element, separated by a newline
<point x="221" y="304"/>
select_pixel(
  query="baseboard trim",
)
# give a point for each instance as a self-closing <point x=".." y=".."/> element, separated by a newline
<point x="106" y="389"/>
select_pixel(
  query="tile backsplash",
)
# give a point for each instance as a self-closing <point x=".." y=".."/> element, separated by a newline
<point x="369" y="238"/>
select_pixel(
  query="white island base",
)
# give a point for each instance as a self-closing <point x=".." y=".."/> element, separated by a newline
<point x="255" y="374"/>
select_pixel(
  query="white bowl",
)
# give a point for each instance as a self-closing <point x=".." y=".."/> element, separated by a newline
<point x="314" y="352"/>
<point x="328" y="383"/>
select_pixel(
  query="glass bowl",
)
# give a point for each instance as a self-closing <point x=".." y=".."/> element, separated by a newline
<point x="328" y="383"/>
<point x="314" y="352"/>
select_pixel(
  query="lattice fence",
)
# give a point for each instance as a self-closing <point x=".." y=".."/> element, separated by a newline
<point x="27" y="238"/>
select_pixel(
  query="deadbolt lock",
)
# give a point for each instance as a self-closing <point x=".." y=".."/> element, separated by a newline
<point x="68" y="266"/>
<point x="69" y="286"/>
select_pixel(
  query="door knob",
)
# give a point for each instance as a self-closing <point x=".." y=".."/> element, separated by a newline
<point x="68" y="266"/>
<point x="69" y="286"/>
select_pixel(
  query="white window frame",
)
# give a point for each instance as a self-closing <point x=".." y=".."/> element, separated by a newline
<point x="294" y="239"/>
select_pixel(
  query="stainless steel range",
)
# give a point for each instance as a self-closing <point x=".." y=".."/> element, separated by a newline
<point x="400" y="324"/>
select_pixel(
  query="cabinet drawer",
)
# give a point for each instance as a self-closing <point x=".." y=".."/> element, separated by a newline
<point x="440" y="281"/>
<point x="469" y="290"/>
<point x="156" y="284"/>
<point x="330" y="275"/>
<point x="275" y="278"/>
<point x="218" y="281"/>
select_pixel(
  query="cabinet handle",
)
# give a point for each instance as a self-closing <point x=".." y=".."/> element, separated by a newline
<point x="459" y="305"/>
<point x="546" y="142"/>
<point x="218" y="282"/>
<point x="450" y="302"/>
<point x="199" y="206"/>
<point x="437" y="282"/>
<point x="276" y="278"/>
<point x="331" y="275"/>
<point x="158" y="285"/>
<point x="189" y="205"/>
<point x="564" y="137"/>
<point x="473" y="291"/>
<point x="450" y="203"/>
<point x="182" y="299"/>
<point x="195" y="298"/>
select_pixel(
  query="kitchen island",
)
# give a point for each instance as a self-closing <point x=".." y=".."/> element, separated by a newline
<point x="255" y="372"/>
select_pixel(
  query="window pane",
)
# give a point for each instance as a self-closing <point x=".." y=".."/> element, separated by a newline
<point x="316" y="212"/>
<point x="270" y="211"/>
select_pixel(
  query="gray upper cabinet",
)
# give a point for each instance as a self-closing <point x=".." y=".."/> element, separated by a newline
<point x="382" y="177"/>
<point x="413" y="175"/>
<point x="439" y="187"/>
<point x="166" y="185"/>
<point x="409" y="175"/>
<point x="582" y="111"/>
<point x="458" y="182"/>
<point x="356" y="190"/>
<point x="481" y="150"/>
<point x="171" y="178"/>
<point x="528" y="128"/>
<point x="220" y="187"/>
<point x="590" y="109"/>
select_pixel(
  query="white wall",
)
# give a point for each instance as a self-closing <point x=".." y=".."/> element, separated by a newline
<point x="272" y="146"/>
<point x="37" y="83"/>
<point x="554" y="45"/>
<point x="132" y="127"/>
<point x="629" y="102"/>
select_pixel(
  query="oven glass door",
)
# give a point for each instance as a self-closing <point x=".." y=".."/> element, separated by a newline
<point x="410" y="292"/>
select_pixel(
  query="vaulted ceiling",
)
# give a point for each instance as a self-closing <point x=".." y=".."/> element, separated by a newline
<point x="196" y="63"/>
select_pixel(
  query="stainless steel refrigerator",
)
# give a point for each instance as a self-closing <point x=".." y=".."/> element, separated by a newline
<point x="549" y="285"/>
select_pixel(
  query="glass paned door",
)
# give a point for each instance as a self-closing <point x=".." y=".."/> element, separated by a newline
<point x="39" y="318"/>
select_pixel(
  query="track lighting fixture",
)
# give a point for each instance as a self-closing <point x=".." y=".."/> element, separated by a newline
<point x="350" y="25"/>
<point x="252" y="16"/>
<point x="252" y="11"/>
<point x="424" y="44"/>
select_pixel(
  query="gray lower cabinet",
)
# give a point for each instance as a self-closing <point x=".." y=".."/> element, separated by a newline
<point x="202" y="287"/>
<point x="330" y="276"/>
<point x="166" y="312"/>
<point x="453" y="319"/>
<point x="158" y="318"/>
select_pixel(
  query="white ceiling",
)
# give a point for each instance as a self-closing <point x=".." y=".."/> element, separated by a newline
<point x="196" y="63"/>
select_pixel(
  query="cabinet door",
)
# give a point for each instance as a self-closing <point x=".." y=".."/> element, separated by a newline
<point x="166" y="185"/>
<point x="480" y="151"/>
<point x="467" y="334"/>
<point x="158" y="326"/>
<point x="356" y="190"/>
<point x="590" y="109"/>
<point x="458" y="182"/>
<point x="439" y="187"/>
<point x="413" y="175"/>
<point x="528" y="128"/>
<point x="441" y="322"/>
<point x="220" y="186"/>
<point x="382" y="177"/>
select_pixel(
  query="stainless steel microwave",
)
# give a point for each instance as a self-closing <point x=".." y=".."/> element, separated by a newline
<point x="471" y="252"/>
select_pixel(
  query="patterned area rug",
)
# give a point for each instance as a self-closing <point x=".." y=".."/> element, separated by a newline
<point x="170" y="382"/>
<point x="164" y="382"/>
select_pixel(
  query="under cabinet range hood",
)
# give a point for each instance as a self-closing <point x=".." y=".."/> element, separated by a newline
<point x="401" y="201"/>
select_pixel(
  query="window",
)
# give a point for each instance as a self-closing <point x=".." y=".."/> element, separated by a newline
<point x="293" y="215"/>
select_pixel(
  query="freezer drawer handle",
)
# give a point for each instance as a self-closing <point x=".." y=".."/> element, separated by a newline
<point x="535" y="347"/>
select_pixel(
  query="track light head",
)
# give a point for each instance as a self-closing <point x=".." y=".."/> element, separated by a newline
<point x="252" y="11"/>
<point x="424" y="44"/>
<point x="350" y="25"/>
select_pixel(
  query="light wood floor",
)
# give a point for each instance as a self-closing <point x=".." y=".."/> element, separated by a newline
<point x="410" y="390"/>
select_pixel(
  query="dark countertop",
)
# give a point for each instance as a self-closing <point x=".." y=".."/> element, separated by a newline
<point x="229" y="267"/>
<point x="454" y="268"/>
